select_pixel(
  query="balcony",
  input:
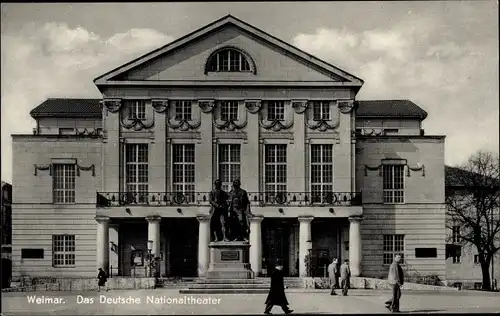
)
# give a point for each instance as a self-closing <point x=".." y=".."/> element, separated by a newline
<point x="293" y="199"/>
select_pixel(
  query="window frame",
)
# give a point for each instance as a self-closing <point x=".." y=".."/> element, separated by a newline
<point x="392" y="252"/>
<point x="137" y="110"/>
<point x="323" y="109"/>
<point x="188" y="189"/>
<point x="276" y="110"/>
<point x="183" y="110"/>
<point x="68" y="169"/>
<point x="228" y="60"/>
<point x="137" y="164"/>
<point x="234" y="167"/>
<point x="229" y="110"/>
<point x="455" y="234"/>
<point x="322" y="164"/>
<point x="278" y="187"/>
<point x="391" y="198"/>
<point x="65" y="253"/>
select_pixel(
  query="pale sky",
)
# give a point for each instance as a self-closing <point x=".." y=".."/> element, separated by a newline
<point x="441" y="55"/>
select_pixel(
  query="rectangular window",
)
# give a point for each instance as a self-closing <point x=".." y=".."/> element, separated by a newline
<point x="275" y="172"/>
<point x="137" y="175"/>
<point x="183" y="178"/>
<point x="63" y="250"/>
<point x="64" y="183"/>
<point x="137" y="110"/>
<point x="275" y="111"/>
<point x="457" y="255"/>
<point x="393" y="184"/>
<point x="425" y="253"/>
<point x="183" y="110"/>
<point x="393" y="244"/>
<point x="229" y="110"/>
<point x="455" y="234"/>
<point x="31" y="253"/>
<point x="321" y="110"/>
<point x="476" y="258"/>
<point x="229" y="164"/>
<point x="321" y="172"/>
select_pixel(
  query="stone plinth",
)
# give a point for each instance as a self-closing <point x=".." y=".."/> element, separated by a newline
<point x="229" y="260"/>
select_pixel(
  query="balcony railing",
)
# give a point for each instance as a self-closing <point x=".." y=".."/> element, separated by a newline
<point x="110" y="199"/>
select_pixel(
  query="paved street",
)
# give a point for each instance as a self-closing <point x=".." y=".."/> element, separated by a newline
<point x="167" y="303"/>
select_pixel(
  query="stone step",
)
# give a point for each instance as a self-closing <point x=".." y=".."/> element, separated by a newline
<point x="228" y="286"/>
<point x="224" y="291"/>
<point x="231" y="281"/>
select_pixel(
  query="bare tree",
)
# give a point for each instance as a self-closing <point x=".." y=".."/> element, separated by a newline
<point x="472" y="200"/>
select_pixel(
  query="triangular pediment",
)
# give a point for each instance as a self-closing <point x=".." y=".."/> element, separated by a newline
<point x="184" y="60"/>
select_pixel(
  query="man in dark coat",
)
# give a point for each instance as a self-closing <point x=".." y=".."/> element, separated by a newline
<point x="218" y="212"/>
<point x="345" y="277"/>
<point x="277" y="292"/>
<point x="396" y="279"/>
<point x="101" y="280"/>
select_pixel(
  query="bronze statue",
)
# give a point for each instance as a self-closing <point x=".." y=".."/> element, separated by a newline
<point x="239" y="213"/>
<point x="218" y="212"/>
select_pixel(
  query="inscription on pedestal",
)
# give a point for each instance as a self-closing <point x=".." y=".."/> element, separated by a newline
<point x="229" y="255"/>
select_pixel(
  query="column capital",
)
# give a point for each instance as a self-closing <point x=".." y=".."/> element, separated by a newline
<point x="305" y="218"/>
<point x="153" y="219"/>
<point x="102" y="219"/>
<point x="355" y="219"/>
<point x="257" y="218"/>
<point x="203" y="217"/>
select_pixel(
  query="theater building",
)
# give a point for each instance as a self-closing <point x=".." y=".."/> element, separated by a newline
<point x="327" y="175"/>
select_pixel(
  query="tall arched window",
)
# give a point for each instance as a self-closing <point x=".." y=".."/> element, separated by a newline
<point x="228" y="59"/>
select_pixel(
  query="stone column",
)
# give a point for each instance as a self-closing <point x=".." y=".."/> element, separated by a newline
<point x="355" y="245"/>
<point x="305" y="242"/>
<point x="203" y="239"/>
<point x="256" y="244"/>
<point x="103" y="243"/>
<point x="154" y="234"/>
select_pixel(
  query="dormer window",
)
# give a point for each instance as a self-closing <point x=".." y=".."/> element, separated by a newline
<point x="137" y="110"/>
<point x="228" y="60"/>
<point x="321" y="110"/>
<point x="183" y="110"/>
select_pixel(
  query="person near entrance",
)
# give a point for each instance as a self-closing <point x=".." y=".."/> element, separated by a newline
<point x="102" y="278"/>
<point x="345" y="277"/>
<point x="396" y="279"/>
<point x="333" y="274"/>
<point x="218" y="212"/>
<point x="277" y="292"/>
<point x="239" y="213"/>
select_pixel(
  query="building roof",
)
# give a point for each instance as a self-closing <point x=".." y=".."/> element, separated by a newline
<point x="70" y="108"/>
<point x="91" y="108"/>
<point x="210" y="28"/>
<point x="389" y="108"/>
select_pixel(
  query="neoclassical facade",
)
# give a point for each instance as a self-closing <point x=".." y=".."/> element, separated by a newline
<point x="327" y="175"/>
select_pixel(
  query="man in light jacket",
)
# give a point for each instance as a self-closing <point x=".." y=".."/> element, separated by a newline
<point x="396" y="279"/>
<point x="345" y="277"/>
<point x="333" y="274"/>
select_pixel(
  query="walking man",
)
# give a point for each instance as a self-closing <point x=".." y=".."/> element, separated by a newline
<point x="277" y="292"/>
<point x="101" y="280"/>
<point x="396" y="279"/>
<point x="345" y="277"/>
<point x="333" y="274"/>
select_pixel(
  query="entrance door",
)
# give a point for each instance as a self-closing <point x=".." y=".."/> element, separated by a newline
<point x="275" y="245"/>
<point x="183" y="247"/>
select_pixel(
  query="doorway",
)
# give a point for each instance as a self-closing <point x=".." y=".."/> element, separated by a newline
<point x="275" y="244"/>
<point x="183" y="240"/>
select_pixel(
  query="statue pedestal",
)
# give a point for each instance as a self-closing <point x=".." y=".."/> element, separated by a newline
<point x="229" y="260"/>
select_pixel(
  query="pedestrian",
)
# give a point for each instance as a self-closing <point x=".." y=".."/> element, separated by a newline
<point x="277" y="292"/>
<point x="396" y="279"/>
<point x="333" y="274"/>
<point x="102" y="278"/>
<point x="345" y="277"/>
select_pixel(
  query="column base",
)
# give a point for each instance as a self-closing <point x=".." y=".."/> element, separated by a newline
<point x="229" y="260"/>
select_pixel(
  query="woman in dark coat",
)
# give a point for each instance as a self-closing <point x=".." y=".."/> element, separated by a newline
<point x="102" y="278"/>
<point x="277" y="292"/>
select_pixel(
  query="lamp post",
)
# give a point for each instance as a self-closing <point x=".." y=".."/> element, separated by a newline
<point x="150" y="261"/>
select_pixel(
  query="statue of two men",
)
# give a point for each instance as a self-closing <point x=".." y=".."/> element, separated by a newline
<point x="230" y="213"/>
